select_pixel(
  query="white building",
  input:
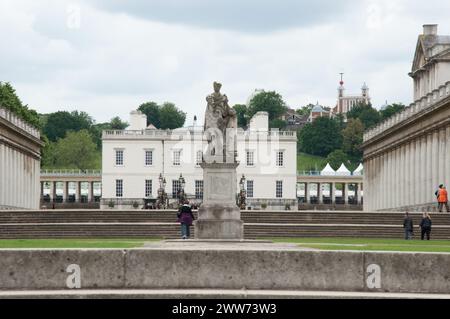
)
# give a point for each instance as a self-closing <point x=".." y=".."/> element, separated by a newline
<point x="20" y="148"/>
<point x="431" y="65"/>
<point x="134" y="158"/>
<point x="346" y="102"/>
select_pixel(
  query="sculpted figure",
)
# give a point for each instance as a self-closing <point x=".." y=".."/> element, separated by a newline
<point x="220" y="119"/>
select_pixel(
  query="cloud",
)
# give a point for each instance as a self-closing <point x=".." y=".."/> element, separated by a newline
<point x="106" y="57"/>
<point x="244" y="16"/>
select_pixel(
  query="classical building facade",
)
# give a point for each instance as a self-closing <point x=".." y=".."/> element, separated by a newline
<point x="133" y="159"/>
<point x="20" y="147"/>
<point x="407" y="156"/>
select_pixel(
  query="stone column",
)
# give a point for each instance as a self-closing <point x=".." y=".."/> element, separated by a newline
<point x="52" y="191"/>
<point x="441" y="157"/>
<point x="319" y="193"/>
<point x="429" y="193"/>
<point x="65" y="191"/>
<point x="358" y="193"/>
<point x="435" y="163"/>
<point x="77" y="191"/>
<point x="345" y="192"/>
<point x="307" y="197"/>
<point x="333" y="193"/>
<point x="447" y="158"/>
<point x="42" y="190"/>
<point x="91" y="192"/>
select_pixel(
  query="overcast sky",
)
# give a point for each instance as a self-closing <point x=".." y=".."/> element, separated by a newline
<point x="106" y="57"/>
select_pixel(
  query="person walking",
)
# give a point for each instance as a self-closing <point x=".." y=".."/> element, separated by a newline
<point x="442" y="198"/>
<point x="185" y="218"/>
<point x="408" y="225"/>
<point x="425" y="226"/>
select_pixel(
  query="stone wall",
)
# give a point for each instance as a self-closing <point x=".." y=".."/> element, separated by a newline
<point x="256" y="268"/>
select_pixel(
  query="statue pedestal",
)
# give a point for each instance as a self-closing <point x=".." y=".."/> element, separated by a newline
<point x="218" y="216"/>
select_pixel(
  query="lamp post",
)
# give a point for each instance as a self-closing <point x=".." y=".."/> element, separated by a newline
<point x="162" y="196"/>
<point x="242" y="194"/>
<point x="182" y="195"/>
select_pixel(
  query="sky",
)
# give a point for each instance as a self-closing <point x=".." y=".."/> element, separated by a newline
<point x="106" y="57"/>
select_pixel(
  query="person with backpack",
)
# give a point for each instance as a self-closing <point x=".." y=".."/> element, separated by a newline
<point x="185" y="218"/>
<point x="408" y="226"/>
<point x="442" y="197"/>
<point x="425" y="226"/>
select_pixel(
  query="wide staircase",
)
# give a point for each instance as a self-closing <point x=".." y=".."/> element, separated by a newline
<point x="257" y="224"/>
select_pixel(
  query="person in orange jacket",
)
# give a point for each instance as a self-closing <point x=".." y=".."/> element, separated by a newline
<point x="443" y="198"/>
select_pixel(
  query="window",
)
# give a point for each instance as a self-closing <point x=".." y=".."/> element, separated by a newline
<point x="280" y="158"/>
<point x="175" y="188"/>
<point x="119" y="187"/>
<point x="199" y="158"/>
<point x="176" y="157"/>
<point x="250" y="158"/>
<point x="249" y="189"/>
<point x="198" y="189"/>
<point x="148" y="188"/>
<point x="148" y="157"/>
<point x="279" y="189"/>
<point x="119" y="157"/>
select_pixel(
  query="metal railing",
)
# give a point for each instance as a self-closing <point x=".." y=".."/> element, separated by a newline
<point x="319" y="173"/>
<point x="183" y="131"/>
<point x="71" y="172"/>
<point x="18" y="122"/>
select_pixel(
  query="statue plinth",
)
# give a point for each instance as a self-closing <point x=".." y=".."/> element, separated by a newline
<point x="218" y="216"/>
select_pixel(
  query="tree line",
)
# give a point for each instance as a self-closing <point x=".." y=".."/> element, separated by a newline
<point x="73" y="139"/>
<point x="340" y="141"/>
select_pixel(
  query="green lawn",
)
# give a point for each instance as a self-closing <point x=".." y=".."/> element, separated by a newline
<point x="74" y="243"/>
<point x="369" y="244"/>
<point x="307" y="162"/>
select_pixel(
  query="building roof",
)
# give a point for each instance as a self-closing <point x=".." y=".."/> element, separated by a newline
<point x="358" y="171"/>
<point x="328" y="170"/>
<point x="343" y="170"/>
<point x="317" y="108"/>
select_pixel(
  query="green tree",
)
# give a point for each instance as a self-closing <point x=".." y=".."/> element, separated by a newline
<point x="151" y="110"/>
<point x="336" y="158"/>
<point x="59" y="123"/>
<point x="117" y="124"/>
<point x="277" y="123"/>
<point x="305" y="110"/>
<point x="352" y="138"/>
<point x="366" y="113"/>
<point x="391" y="110"/>
<point x="171" y="117"/>
<point x="76" y="150"/>
<point x="320" y="137"/>
<point x="10" y="101"/>
<point x="241" y="111"/>
<point x="270" y="102"/>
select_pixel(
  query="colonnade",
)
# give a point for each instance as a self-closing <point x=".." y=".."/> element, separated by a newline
<point x="405" y="177"/>
<point x="65" y="196"/>
<point x="332" y="196"/>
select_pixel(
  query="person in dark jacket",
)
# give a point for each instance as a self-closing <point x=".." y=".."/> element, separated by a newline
<point x="408" y="226"/>
<point x="425" y="226"/>
<point x="185" y="218"/>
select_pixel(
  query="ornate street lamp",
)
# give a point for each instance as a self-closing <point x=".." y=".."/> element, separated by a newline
<point x="182" y="195"/>
<point x="242" y="194"/>
<point x="162" y="196"/>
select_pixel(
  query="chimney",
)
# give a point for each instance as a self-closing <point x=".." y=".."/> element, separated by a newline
<point x="430" y="29"/>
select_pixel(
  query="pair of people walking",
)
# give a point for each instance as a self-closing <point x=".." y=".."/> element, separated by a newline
<point x="425" y="226"/>
<point x="442" y="198"/>
<point x="185" y="218"/>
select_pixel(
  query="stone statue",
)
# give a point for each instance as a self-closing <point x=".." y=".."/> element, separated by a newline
<point x="220" y="123"/>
